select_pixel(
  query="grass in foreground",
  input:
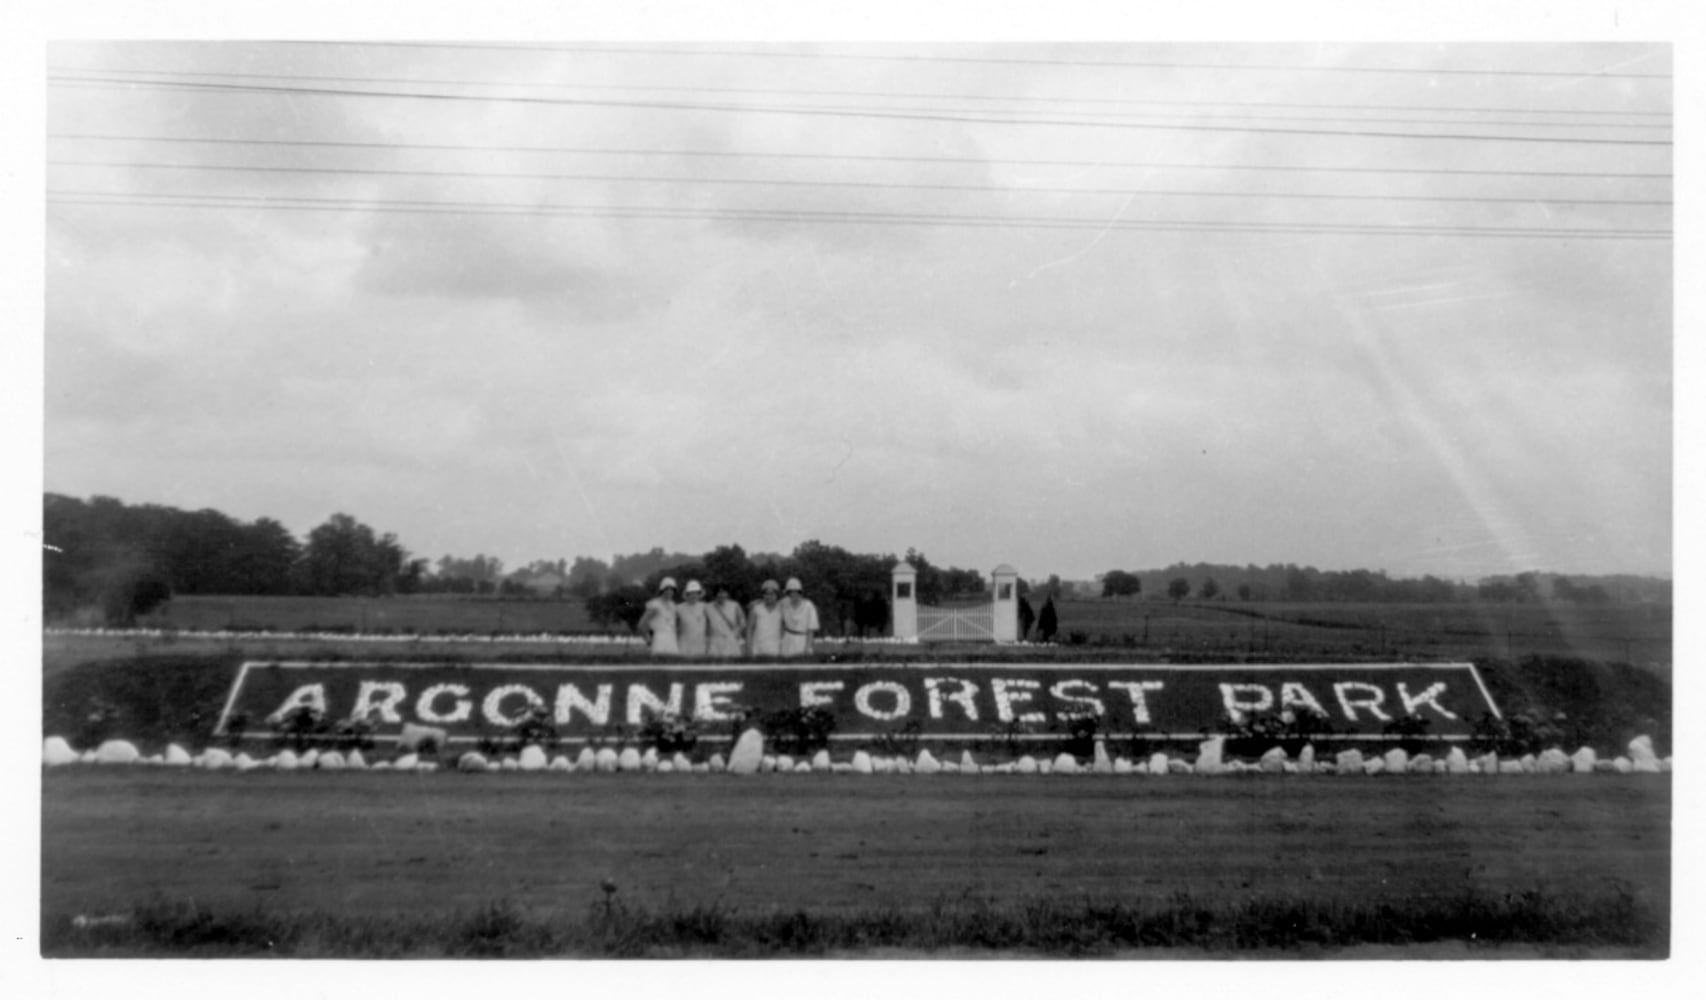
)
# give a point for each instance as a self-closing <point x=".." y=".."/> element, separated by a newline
<point x="612" y="929"/>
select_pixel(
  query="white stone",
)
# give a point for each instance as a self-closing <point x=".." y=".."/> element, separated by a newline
<point x="117" y="752"/>
<point x="968" y="764"/>
<point x="767" y="764"/>
<point x="1026" y="765"/>
<point x="508" y="764"/>
<point x="1527" y="763"/>
<point x="1176" y="766"/>
<point x="883" y="765"/>
<point x="1665" y="765"/>
<point x="903" y="766"/>
<point x="560" y="763"/>
<point x="1274" y="761"/>
<point x="784" y="762"/>
<point x="821" y="761"/>
<point x="1288" y="767"/>
<point x="414" y="737"/>
<point x="927" y="763"/>
<point x="605" y="760"/>
<point x="1583" y="761"/>
<point x="472" y="761"/>
<point x="803" y="767"/>
<point x="426" y="767"/>
<point x="1373" y="765"/>
<point x="587" y="760"/>
<point x="1157" y="763"/>
<point x="1045" y="767"/>
<point x="748" y="753"/>
<point x="1122" y="766"/>
<point x="355" y="761"/>
<point x="331" y="760"/>
<point x="309" y="759"/>
<point x="532" y="758"/>
<point x="717" y="764"/>
<point x="1348" y="761"/>
<point x="242" y="762"/>
<point x="1456" y="762"/>
<point x="1510" y="767"/>
<point x="177" y="756"/>
<point x="862" y="762"/>
<point x="649" y="760"/>
<point x="1641" y="756"/>
<point x="666" y="767"/>
<point x="1422" y="764"/>
<point x="1623" y="765"/>
<point x="628" y="760"/>
<point x="703" y="768"/>
<point x="950" y="767"/>
<point x="1306" y="759"/>
<point x="383" y="765"/>
<point x="682" y="764"/>
<point x="1210" y="754"/>
<point x="1396" y="760"/>
<point x="1552" y="761"/>
<point x="56" y="752"/>
<point x="1065" y="764"/>
<point x="1487" y="763"/>
<point x="1101" y="764"/>
<point x="407" y="762"/>
<point x="841" y="768"/>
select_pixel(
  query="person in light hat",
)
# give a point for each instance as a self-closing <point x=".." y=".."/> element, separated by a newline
<point x="727" y="621"/>
<point x="690" y="621"/>
<point x="659" y="619"/>
<point x="799" y="620"/>
<point x="764" y="623"/>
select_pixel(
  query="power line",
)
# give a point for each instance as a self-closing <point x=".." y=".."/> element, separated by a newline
<point x="898" y="95"/>
<point x="824" y="112"/>
<point x="995" y="60"/>
<point x="883" y="185"/>
<point x="173" y="200"/>
<point x="853" y="157"/>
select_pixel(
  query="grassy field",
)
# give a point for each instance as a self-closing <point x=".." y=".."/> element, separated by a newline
<point x="1638" y="634"/>
<point x="525" y="853"/>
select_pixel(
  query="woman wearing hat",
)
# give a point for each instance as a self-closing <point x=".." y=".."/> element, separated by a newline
<point x="799" y="620"/>
<point x="659" y="619"/>
<point x="727" y="621"/>
<point x="690" y="623"/>
<point x="764" y="623"/>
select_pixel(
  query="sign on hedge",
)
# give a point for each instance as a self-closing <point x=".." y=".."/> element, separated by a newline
<point x="937" y="701"/>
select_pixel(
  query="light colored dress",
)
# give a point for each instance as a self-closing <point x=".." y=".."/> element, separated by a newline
<point x="660" y="618"/>
<point x="690" y="627"/>
<point x="799" y="621"/>
<point x="727" y="621"/>
<point x="766" y="627"/>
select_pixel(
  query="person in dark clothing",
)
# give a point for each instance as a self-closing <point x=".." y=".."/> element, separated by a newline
<point x="1047" y="623"/>
<point x="1026" y="617"/>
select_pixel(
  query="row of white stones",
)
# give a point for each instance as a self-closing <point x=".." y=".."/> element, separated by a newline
<point x="749" y="757"/>
<point x="409" y="637"/>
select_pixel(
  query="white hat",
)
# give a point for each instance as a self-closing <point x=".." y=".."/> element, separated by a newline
<point x="768" y="585"/>
<point x="667" y="583"/>
<point x="693" y="588"/>
<point x="793" y="585"/>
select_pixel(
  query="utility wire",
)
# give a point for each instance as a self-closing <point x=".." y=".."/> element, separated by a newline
<point x="1264" y="106"/>
<point x="882" y="185"/>
<point x="994" y="60"/>
<point x="174" y="200"/>
<point x="852" y="157"/>
<point x="823" y="112"/>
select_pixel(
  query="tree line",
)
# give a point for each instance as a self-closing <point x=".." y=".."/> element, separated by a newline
<point x="1305" y="584"/>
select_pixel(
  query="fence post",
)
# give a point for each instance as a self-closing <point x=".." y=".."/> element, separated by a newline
<point x="1005" y="581"/>
<point x="904" y="596"/>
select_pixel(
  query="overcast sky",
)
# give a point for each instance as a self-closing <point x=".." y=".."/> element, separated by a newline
<point x="1068" y="307"/>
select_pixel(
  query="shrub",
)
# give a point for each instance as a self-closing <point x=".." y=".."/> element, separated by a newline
<point x="299" y="727"/>
<point x="799" y="731"/>
<point x="1258" y="732"/>
<point x="353" y="734"/>
<point x="901" y="741"/>
<point x="1078" y="733"/>
<point x="670" y="733"/>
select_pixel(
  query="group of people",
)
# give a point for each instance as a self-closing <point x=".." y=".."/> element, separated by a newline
<point x="773" y="625"/>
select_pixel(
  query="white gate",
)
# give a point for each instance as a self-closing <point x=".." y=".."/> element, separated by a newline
<point x="966" y="624"/>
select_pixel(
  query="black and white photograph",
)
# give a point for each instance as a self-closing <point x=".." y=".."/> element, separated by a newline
<point x="704" y="493"/>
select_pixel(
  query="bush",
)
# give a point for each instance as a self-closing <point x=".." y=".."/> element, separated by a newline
<point x="670" y="733"/>
<point x="1258" y="732"/>
<point x="798" y="731"/>
<point x="300" y="727"/>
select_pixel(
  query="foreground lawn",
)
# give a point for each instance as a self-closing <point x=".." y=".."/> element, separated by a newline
<point x="623" y="864"/>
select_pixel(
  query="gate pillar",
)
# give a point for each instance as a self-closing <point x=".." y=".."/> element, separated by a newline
<point x="1004" y="580"/>
<point x="903" y="596"/>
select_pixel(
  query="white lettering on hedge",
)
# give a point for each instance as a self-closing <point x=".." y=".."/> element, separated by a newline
<point x="569" y="698"/>
<point x="307" y="696"/>
<point x="962" y="697"/>
<point x="1429" y="697"/>
<point x="1091" y="704"/>
<point x="389" y="694"/>
<point x="1236" y="706"/>
<point x="818" y="692"/>
<point x="492" y="707"/>
<point x="1011" y="692"/>
<point x="427" y="713"/>
<point x="1135" y="690"/>
<point x="711" y="701"/>
<point x="641" y="699"/>
<point x="1372" y="702"/>
<point x="1295" y="695"/>
<point x="902" y="700"/>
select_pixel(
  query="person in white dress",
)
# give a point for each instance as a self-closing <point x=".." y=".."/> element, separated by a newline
<point x="727" y="621"/>
<point x="764" y="623"/>
<point x="799" y="620"/>
<point x="659" y="620"/>
<point x="690" y="621"/>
